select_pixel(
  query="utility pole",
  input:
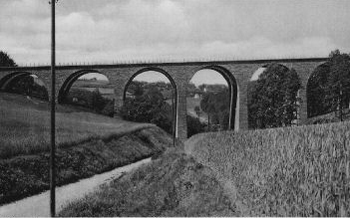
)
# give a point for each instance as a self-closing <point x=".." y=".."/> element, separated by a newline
<point x="53" y="120"/>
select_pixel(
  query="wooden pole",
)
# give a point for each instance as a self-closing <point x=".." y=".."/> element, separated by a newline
<point x="53" y="120"/>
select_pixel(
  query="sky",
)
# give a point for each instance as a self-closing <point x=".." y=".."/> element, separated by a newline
<point x="201" y="77"/>
<point x="105" y="31"/>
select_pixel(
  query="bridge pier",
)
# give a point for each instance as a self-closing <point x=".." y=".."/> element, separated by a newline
<point x="241" y="118"/>
<point x="181" y="113"/>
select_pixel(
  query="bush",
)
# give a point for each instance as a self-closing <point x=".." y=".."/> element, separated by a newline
<point x="92" y="100"/>
<point x="27" y="86"/>
<point x="194" y="126"/>
<point x="295" y="171"/>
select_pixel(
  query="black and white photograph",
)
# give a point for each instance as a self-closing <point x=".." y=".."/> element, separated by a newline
<point x="174" y="108"/>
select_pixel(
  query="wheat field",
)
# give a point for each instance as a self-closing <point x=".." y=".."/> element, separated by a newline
<point x="295" y="171"/>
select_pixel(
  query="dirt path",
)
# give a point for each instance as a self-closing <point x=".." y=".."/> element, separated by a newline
<point x="191" y="142"/>
<point x="38" y="205"/>
<point x="229" y="186"/>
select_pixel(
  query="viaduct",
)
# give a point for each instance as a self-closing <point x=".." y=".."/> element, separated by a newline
<point x="237" y="74"/>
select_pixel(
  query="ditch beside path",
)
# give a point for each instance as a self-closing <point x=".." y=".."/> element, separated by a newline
<point x="39" y="205"/>
<point x="228" y="186"/>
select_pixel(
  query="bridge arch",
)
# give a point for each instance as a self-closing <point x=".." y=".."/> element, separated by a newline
<point x="233" y="89"/>
<point x="9" y="80"/>
<point x="175" y="115"/>
<point x="67" y="84"/>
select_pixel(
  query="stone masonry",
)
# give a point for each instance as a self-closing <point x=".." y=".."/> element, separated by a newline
<point x="237" y="73"/>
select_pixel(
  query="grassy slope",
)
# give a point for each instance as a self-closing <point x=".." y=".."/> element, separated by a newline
<point x="87" y="144"/>
<point x="29" y="174"/>
<point x="173" y="185"/>
<point x="25" y="126"/>
<point x="299" y="171"/>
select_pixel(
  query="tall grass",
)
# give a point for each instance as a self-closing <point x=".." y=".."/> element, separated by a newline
<point x="24" y="129"/>
<point x="296" y="171"/>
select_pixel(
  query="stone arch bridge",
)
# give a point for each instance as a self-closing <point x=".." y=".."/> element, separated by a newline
<point x="237" y="73"/>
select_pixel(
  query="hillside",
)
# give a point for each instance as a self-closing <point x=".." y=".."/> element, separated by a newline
<point x="25" y="126"/>
<point x="87" y="143"/>
<point x="295" y="171"/>
<point x="27" y="175"/>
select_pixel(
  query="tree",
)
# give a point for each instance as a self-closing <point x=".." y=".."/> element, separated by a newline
<point x="150" y="107"/>
<point x="135" y="88"/>
<point x="98" y="102"/>
<point x="198" y="111"/>
<point x="6" y="60"/>
<point x="317" y="101"/>
<point x="217" y="106"/>
<point x="194" y="126"/>
<point x="274" y="98"/>
<point x="338" y="81"/>
<point x="208" y="106"/>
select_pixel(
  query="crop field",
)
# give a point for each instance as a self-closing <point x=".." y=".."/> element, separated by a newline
<point x="25" y="126"/>
<point x="295" y="171"/>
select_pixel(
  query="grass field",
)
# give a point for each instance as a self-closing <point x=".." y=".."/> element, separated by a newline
<point x="295" y="171"/>
<point x="25" y="126"/>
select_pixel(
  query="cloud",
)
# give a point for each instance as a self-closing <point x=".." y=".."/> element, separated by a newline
<point x="107" y="30"/>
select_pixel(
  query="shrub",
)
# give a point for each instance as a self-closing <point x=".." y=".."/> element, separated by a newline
<point x="194" y="126"/>
<point x="92" y="100"/>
